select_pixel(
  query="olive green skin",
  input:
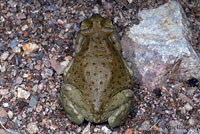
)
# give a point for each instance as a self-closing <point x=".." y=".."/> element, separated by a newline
<point x="97" y="82"/>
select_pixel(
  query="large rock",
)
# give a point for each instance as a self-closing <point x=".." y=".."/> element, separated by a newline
<point x="159" y="47"/>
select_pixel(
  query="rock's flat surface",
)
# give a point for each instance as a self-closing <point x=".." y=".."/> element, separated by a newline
<point x="159" y="47"/>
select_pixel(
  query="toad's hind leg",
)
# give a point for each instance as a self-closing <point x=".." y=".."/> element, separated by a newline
<point x="72" y="108"/>
<point x="121" y="104"/>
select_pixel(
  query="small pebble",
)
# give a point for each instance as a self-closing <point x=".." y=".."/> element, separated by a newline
<point x="21" y="16"/>
<point x="145" y="125"/>
<point x="10" y="114"/>
<point x="35" y="87"/>
<point x="33" y="102"/>
<point x="5" y="104"/>
<point x="95" y="10"/>
<point x="47" y="73"/>
<point x="106" y="130"/>
<point x="129" y="131"/>
<point x="3" y="112"/>
<point x="29" y="48"/>
<point x="24" y="27"/>
<point x="188" y="107"/>
<point x="192" y="121"/>
<point x="16" y="50"/>
<point x="32" y="128"/>
<point x="13" y="44"/>
<point x="87" y="129"/>
<point x="38" y="109"/>
<point x="2" y="131"/>
<point x="5" y="55"/>
<point x="4" y="91"/>
<point x="130" y="1"/>
<point x="53" y="107"/>
<point x="23" y="93"/>
<point x="18" y="80"/>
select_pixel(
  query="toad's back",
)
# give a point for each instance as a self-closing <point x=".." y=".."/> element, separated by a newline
<point x="98" y="72"/>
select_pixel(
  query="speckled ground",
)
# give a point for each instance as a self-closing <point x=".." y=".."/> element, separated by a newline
<point x="37" y="35"/>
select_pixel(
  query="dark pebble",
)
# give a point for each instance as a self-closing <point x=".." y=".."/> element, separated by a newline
<point x="22" y="104"/>
<point x="193" y="82"/>
<point x="157" y="91"/>
<point x="39" y="56"/>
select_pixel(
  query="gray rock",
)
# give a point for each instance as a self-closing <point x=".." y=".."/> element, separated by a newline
<point x="33" y="102"/>
<point x="18" y="80"/>
<point x="145" y="125"/>
<point x="192" y="121"/>
<point x="3" y="112"/>
<point x="178" y="131"/>
<point x="5" y="55"/>
<point x="13" y="44"/>
<point x="188" y="107"/>
<point x="21" y="16"/>
<point x="193" y="131"/>
<point x="10" y="131"/>
<point x="32" y="128"/>
<point x="2" y="131"/>
<point x="175" y="123"/>
<point x="4" y="91"/>
<point x="47" y="73"/>
<point x="21" y="93"/>
<point x="35" y="87"/>
<point x="160" y="46"/>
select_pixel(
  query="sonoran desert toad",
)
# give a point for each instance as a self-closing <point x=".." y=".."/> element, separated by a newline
<point x="97" y="82"/>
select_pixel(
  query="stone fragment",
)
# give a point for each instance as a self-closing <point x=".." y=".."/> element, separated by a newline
<point x="188" y="107"/>
<point x="2" y="131"/>
<point x="86" y="130"/>
<point x="18" y="80"/>
<point x="5" y="55"/>
<point x="106" y="130"/>
<point x="23" y="93"/>
<point x="16" y="50"/>
<point x="33" y="102"/>
<point x="4" y="91"/>
<point x="3" y="112"/>
<point x="21" y="16"/>
<point x="47" y="73"/>
<point x="5" y="104"/>
<point x="13" y="44"/>
<point x="159" y="47"/>
<point x="145" y="125"/>
<point x="29" y="48"/>
<point x="59" y="68"/>
<point x="10" y="114"/>
<point x="32" y="128"/>
<point x="24" y="27"/>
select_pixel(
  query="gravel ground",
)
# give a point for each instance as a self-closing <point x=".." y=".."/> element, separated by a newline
<point x="36" y="36"/>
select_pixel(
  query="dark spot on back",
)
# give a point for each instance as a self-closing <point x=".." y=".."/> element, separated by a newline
<point x="88" y="73"/>
<point x="106" y="76"/>
<point x="103" y="64"/>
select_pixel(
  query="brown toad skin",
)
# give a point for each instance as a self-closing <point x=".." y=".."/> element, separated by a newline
<point x="97" y="82"/>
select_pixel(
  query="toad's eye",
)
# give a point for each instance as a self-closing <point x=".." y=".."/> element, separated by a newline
<point x="107" y="23"/>
<point x="86" y="24"/>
